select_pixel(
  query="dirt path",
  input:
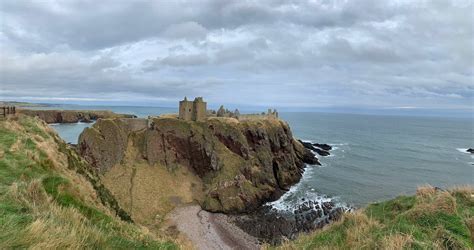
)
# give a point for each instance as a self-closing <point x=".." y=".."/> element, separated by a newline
<point x="210" y="231"/>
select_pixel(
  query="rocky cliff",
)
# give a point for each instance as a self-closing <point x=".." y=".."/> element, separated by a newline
<point x="71" y="116"/>
<point x="238" y="164"/>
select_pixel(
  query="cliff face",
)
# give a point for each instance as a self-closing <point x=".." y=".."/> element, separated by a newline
<point x="241" y="164"/>
<point x="52" y="199"/>
<point x="71" y="116"/>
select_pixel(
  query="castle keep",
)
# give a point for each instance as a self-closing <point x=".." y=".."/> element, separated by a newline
<point x="197" y="111"/>
<point x="193" y="110"/>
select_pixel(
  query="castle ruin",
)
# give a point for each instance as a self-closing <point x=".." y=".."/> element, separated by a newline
<point x="197" y="111"/>
<point x="193" y="110"/>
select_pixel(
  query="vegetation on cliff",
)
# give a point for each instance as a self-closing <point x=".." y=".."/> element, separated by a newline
<point x="231" y="166"/>
<point x="431" y="219"/>
<point x="49" y="198"/>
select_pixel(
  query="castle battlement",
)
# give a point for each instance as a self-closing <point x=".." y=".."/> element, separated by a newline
<point x="193" y="110"/>
<point x="197" y="111"/>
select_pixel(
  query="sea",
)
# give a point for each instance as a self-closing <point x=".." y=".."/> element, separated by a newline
<point x="374" y="157"/>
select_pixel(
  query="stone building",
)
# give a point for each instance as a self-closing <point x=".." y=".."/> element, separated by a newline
<point x="273" y="113"/>
<point x="193" y="110"/>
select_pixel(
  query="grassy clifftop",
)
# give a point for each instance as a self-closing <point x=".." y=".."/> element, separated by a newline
<point x="71" y="116"/>
<point x="48" y="198"/>
<point x="431" y="219"/>
<point x="236" y="165"/>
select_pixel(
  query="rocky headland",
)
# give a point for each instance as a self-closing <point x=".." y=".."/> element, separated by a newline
<point x="229" y="165"/>
<point x="71" y="116"/>
<point x="223" y="164"/>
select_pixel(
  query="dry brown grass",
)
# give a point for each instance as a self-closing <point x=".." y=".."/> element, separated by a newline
<point x="429" y="200"/>
<point x="397" y="241"/>
<point x="359" y="235"/>
<point x="467" y="191"/>
<point x="148" y="193"/>
<point x="61" y="228"/>
<point x="425" y="191"/>
<point x="53" y="227"/>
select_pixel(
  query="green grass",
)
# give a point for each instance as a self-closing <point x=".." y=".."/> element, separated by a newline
<point x="429" y="220"/>
<point x="41" y="207"/>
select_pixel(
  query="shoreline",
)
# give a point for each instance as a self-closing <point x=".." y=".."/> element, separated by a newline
<point x="209" y="231"/>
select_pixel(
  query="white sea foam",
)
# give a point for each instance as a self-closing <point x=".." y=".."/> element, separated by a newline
<point x="463" y="150"/>
<point x="54" y="124"/>
<point x="291" y="199"/>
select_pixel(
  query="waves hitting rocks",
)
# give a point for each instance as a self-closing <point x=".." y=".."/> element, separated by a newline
<point x="274" y="226"/>
<point x="280" y="220"/>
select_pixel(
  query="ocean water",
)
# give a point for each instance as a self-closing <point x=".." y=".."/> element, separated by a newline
<point x="374" y="158"/>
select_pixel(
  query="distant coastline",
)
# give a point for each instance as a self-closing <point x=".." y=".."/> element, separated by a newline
<point x="25" y="104"/>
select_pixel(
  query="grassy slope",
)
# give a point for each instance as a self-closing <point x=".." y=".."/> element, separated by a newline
<point x="44" y="203"/>
<point x="429" y="220"/>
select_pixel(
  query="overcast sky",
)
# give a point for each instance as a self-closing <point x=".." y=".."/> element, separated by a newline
<point x="299" y="54"/>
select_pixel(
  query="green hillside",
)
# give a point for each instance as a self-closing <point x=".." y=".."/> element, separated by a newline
<point x="431" y="219"/>
<point x="49" y="198"/>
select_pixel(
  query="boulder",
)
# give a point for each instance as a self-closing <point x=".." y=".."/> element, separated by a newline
<point x="324" y="146"/>
<point x="319" y="151"/>
<point x="273" y="226"/>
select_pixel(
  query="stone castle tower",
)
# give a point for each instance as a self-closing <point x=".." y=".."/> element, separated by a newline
<point x="193" y="110"/>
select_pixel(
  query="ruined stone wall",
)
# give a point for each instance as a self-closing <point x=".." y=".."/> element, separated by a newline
<point x="185" y="110"/>
<point x="200" y="111"/>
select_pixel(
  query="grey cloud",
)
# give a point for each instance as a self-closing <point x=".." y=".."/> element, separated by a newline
<point x="99" y="24"/>
<point x="366" y="52"/>
<point x="181" y="60"/>
<point x="191" y="30"/>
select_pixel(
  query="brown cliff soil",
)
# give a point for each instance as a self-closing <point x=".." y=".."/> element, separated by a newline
<point x="225" y="165"/>
<point x="71" y="116"/>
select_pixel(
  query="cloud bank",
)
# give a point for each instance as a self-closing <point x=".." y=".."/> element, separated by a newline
<point x="300" y="54"/>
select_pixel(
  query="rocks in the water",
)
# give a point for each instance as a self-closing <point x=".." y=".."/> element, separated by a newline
<point x="267" y="225"/>
<point x="273" y="226"/>
<point x="307" y="145"/>
<point x="470" y="150"/>
<point x="311" y="215"/>
<point x="320" y="149"/>
<point x="311" y="159"/>
<point x="324" y="146"/>
<point x="321" y="152"/>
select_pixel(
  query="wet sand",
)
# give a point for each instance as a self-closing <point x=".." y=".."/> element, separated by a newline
<point x="210" y="230"/>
